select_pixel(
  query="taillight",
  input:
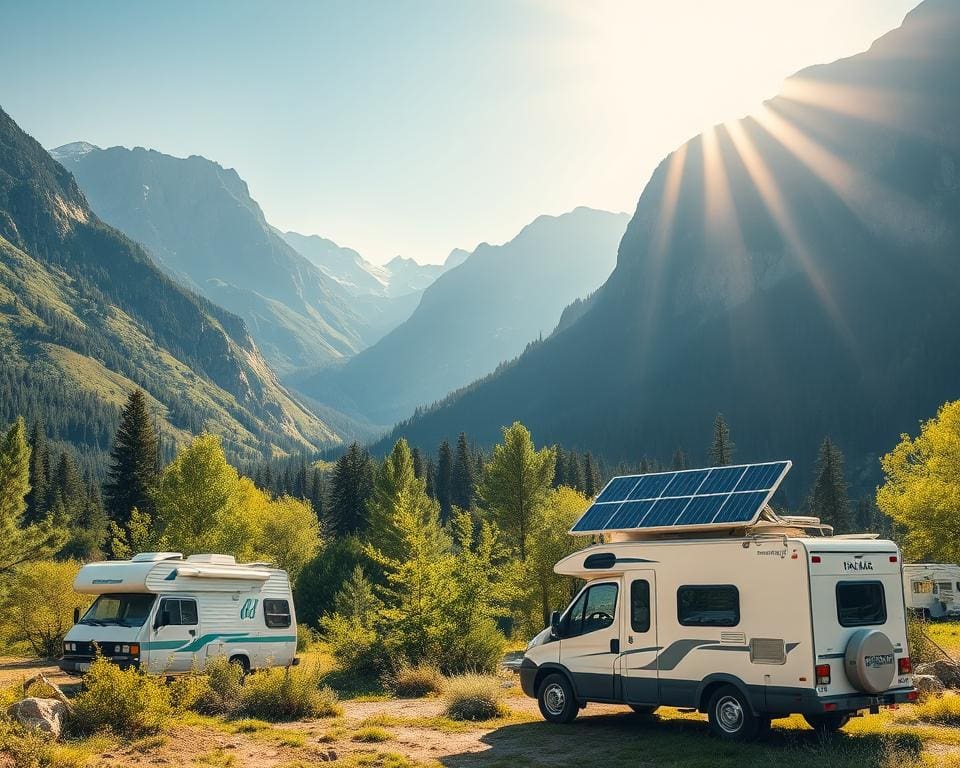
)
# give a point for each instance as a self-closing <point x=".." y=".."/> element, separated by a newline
<point x="815" y="559"/>
<point x="904" y="667"/>
<point x="823" y="674"/>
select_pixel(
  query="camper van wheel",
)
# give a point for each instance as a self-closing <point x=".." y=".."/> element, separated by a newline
<point x="828" y="723"/>
<point x="730" y="716"/>
<point x="642" y="709"/>
<point x="556" y="700"/>
<point x="243" y="662"/>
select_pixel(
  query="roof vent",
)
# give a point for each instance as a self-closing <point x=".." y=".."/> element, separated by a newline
<point x="155" y="557"/>
<point x="213" y="559"/>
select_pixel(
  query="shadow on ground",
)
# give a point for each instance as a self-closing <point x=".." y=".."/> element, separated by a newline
<point x="622" y="740"/>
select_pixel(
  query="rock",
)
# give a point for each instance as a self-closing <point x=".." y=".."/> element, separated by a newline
<point x="44" y="715"/>
<point x="928" y="685"/>
<point x="947" y="672"/>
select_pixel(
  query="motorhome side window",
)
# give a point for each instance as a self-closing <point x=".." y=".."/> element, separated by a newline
<point x="713" y="605"/>
<point x="861" y="603"/>
<point x="922" y="587"/>
<point x="593" y="610"/>
<point x="276" y="613"/>
<point x="179" y="611"/>
<point x="640" y="606"/>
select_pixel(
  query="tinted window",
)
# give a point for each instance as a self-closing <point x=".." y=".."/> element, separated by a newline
<point x="640" y="606"/>
<point x="179" y="611"/>
<point x="276" y="613"/>
<point x="922" y="587"/>
<point x="593" y="610"/>
<point x="708" y="606"/>
<point x="125" y="610"/>
<point x="861" y="603"/>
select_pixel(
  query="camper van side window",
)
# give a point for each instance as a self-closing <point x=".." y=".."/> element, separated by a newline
<point x="640" y="606"/>
<point x="276" y="613"/>
<point x="708" y="605"/>
<point x="181" y="611"/>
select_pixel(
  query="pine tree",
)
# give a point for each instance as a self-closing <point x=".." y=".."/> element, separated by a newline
<point x="722" y="447"/>
<point x="559" y="468"/>
<point x="38" y="502"/>
<point x="430" y="478"/>
<point x="395" y="480"/>
<point x="574" y="473"/>
<point x="591" y="480"/>
<point x="418" y="467"/>
<point x="350" y="488"/>
<point x="462" y="478"/>
<point x="444" y="480"/>
<point x="317" y="493"/>
<point x="133" y="467"/>
<point x="828" y="500"/>
<point x="680" y="460"/>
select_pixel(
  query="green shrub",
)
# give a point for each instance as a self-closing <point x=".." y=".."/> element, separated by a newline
<point x="356" y="648"/>
<point x="480" y="650"/>
<point x="288" y="694"/>
<point x="372" y="735"/>
<point x="124" y="701"/>
<point x="474" y="697"/>
<point x="415" y="681"/>
<point x="921" y="649"/>
<point x="306" y="637"/>
<point x="941" y="710"/>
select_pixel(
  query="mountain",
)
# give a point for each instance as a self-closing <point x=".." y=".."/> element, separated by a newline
<point x="357" y="275"/>
<point x="797" y="270"/>
<point x="86" y="316"/>
<point x="475" y="316"/>
<point x="199" y="221"/>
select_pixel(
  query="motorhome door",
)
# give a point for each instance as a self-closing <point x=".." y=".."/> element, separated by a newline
<point x="590" y="639"/>
<point x="175" y="635"/>
<point x="638" y="648"/>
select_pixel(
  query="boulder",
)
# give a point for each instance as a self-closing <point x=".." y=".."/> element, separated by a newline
<point x="947" y="672"/>
<point x="928" y="685"/>
<point x="44" y="715"/>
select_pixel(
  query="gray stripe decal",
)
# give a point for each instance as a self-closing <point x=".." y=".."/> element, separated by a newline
<point x="634" y="560"/>
<point x="642" y="650"/>
<point x="831" y="655"/>
<point x="675" y="653"/>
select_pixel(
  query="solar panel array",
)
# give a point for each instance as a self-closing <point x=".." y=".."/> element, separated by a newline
<point x="705" y="498"/>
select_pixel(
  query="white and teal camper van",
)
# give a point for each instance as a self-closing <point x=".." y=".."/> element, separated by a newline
<point x="166" y="614"/>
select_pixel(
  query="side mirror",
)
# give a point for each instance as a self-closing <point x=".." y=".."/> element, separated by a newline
<point x="76" y="615"/>
<point x="555" y="624"/>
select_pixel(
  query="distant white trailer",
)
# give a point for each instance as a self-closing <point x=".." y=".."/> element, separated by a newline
<point x="932" y="590"/>
<point x="166" y="614"/>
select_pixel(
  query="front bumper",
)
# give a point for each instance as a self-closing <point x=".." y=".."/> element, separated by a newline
<point x="78" y="664"/>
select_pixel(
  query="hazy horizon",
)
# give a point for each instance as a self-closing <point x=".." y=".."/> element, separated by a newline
<point x="425" y="126"/>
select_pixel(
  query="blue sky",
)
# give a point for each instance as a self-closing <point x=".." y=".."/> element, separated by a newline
<point x="415" y="127"/>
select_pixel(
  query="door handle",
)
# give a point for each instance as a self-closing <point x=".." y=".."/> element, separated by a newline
<point x="193" y="632"/>
<point x="630" y="639"/>
<point x="615" y="646"/>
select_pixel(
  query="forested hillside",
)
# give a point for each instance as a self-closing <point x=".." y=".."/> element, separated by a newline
<point x="475" y="316"/>
<point x="86" y="316"/>
<point x="796" y="269"/>
<point x="200" y="223"/>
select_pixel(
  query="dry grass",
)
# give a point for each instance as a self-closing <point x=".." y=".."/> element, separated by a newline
<point x="939" y="710"/>
<point x="415" y="682"/>
<point x="474" y="697"/>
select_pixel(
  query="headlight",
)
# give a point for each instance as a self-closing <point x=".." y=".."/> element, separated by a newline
<point x="126" y="649"/>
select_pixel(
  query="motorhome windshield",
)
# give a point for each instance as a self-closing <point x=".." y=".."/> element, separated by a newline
<point x="121" y="610"/>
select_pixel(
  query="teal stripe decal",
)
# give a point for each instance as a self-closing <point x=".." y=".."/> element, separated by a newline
<point x="204" y="640"/>
<point x="275" y="639"/>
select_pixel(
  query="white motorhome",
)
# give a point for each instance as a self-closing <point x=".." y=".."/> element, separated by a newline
<point x="166" y="614"/>
<point x="932" y="590"/>
<point x="701" y="596"/>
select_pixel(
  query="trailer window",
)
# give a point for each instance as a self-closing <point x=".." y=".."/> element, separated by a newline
<point x="861" y="603"/>
<point x="180" y="611"/>
<point x="922" y="587"/>
<point x="640" y="606"/>
<point x="593" y="610"/>
<point x="276" y="613"/>
<point x="713" y="605"/>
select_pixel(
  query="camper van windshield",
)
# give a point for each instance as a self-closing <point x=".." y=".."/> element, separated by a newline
<point x="123" y="610"/>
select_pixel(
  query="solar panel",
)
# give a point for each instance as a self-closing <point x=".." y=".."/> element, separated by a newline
<point x="691" y="498"/>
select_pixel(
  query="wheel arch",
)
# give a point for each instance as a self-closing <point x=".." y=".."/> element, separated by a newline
<point x="549" y="668"/>
<point x="712" y="683"/>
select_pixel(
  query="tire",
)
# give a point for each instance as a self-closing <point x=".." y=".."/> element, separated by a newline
<point x="243" y="662"/>
<point x="644" y="709"/>
<point x="827" y="723"/>
<point x="556" y="700"/>
<point x="731" y="717"/>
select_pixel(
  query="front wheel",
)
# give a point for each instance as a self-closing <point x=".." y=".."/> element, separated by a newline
<point x="556" y="700"/>
<point x="730" y="716"/>
<point x="828" y="723"/>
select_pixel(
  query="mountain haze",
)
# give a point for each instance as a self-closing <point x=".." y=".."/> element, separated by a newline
<point x="475" y="316"/>
<point x="199" y="221"/>
<point x="86" y="316"/>
<point x="797" y="270"/>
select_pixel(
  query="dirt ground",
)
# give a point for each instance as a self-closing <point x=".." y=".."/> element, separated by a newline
<point x="403" y="733"/>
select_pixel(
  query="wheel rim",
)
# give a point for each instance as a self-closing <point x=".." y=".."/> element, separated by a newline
<point x="554" y="699"/>
<point x="729" y="714"/>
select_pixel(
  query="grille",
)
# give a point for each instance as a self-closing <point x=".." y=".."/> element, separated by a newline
<point x="767" y="651"/>
<point x="733" y="637"/>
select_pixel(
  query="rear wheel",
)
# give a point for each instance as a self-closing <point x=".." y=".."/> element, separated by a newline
<point x="730" y="716"/>
<point x="827" y="723"/>
<point x="643" y="709"/>
<point x="243" y="662"/>
<point x="556" y="700"/>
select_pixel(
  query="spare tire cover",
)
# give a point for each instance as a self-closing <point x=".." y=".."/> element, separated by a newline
<point x="869" y="661"/>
